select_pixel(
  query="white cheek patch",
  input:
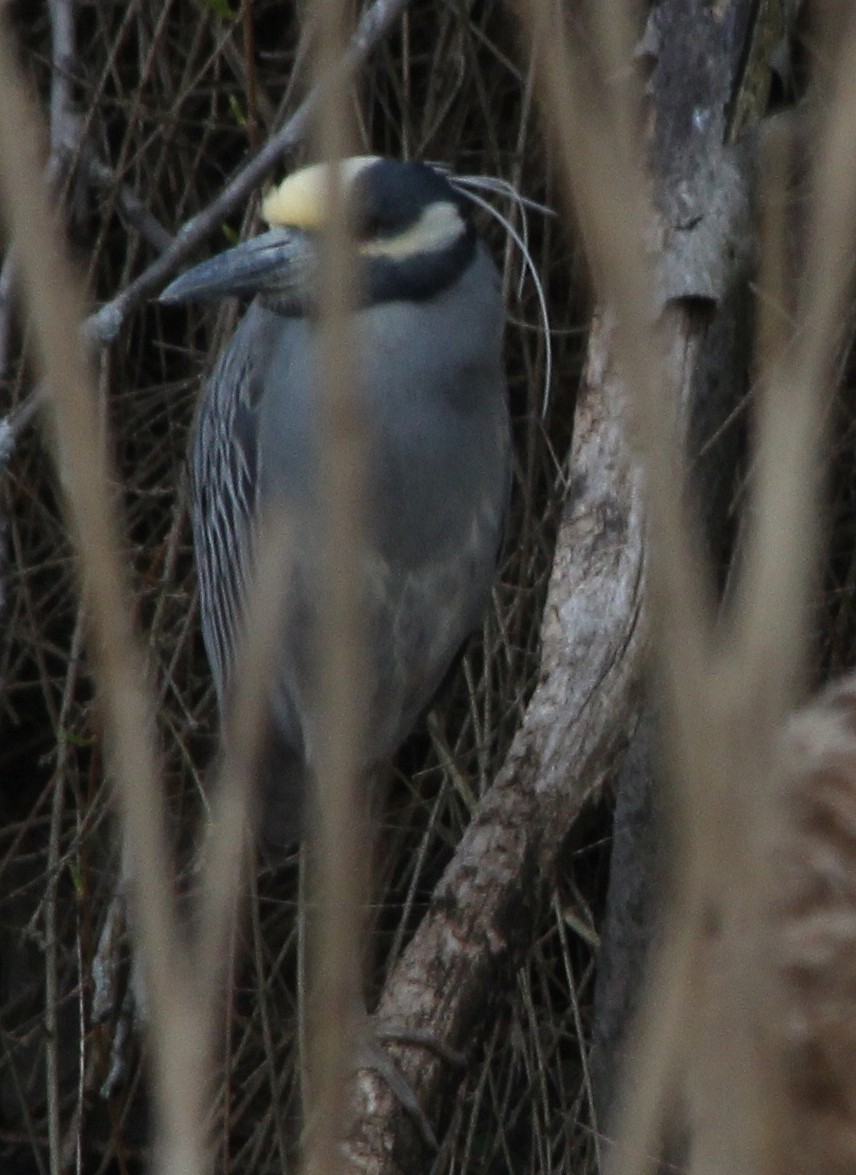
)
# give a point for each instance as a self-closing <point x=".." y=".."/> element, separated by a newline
<point x="439" y="226"/>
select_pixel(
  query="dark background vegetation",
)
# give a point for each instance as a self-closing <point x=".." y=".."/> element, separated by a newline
<point x="172" y="96"/>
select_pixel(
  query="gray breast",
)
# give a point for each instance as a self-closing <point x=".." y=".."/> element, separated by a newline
<point x="430" y="378"/>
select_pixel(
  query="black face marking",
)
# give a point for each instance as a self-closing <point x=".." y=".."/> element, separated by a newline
<point x="418" y="277"/>
<point x="390" y="196"/>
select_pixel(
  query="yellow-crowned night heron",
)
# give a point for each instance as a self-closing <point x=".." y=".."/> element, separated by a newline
<point x="427" y="327"/>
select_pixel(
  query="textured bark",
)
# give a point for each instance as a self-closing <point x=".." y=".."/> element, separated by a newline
<point x="704" y="62"/>
<point x="588" y="702"/>
<point x="576" y="727"/>
<point x="627" y="928"/>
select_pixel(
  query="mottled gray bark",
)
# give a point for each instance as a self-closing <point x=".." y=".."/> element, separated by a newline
<point x="704" y="59"/>
<point x="593" y="639"/>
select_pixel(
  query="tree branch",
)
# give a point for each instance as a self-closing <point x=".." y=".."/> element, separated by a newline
<point x="105" y="324"/>
<point x="576" y="726"/>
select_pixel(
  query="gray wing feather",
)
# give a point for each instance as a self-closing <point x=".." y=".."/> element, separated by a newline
<point x="225" y="485"/>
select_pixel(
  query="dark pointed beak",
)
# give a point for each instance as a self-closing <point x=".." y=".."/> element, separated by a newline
<point x="280" y="260"/>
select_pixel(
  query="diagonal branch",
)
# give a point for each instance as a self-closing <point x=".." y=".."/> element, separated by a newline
<point x="105" y="324"/>
<point x="576" y="727"/>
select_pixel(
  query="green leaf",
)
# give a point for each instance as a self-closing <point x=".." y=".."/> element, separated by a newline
<point x="76" y="740"/>
<point x="76" y="878"/>
<point x="222" y="8"/>
<point x="237" y="110"/>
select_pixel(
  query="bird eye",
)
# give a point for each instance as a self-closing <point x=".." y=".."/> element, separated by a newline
<point x="367" y="225"/>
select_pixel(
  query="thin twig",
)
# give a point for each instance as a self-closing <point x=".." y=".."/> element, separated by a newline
<point x="713" y="695"/>
<point x="182" y="990"/>
<point x="603" y="177"/>
<point x="135" y="211"/>
<point x="105" y="324"/>
<point x="62" y="120"/>
<point x="52" y="993"/>
<point x="56" y="308"/>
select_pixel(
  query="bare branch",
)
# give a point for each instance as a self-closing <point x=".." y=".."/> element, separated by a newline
<point x="576" y="727"/>
<point x="56" y="307"/>
<point x="105" y="324"/>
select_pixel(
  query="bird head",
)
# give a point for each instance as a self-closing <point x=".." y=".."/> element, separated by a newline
<point x="412" y="233"/>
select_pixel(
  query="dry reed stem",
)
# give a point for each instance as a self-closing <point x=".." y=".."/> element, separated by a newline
<point x="172" y="137"/>
<point x="243" y="729"/>
<point x="57" y="311"/>
<point x="447" y="91"/>
<point x="742" y="690"/>
<point x="105" y="324"/>
<point x="338" y="851"/>
<point x="766" y="655"/>
<point x="182" y="995"/>
<point x="605" y="182"/>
